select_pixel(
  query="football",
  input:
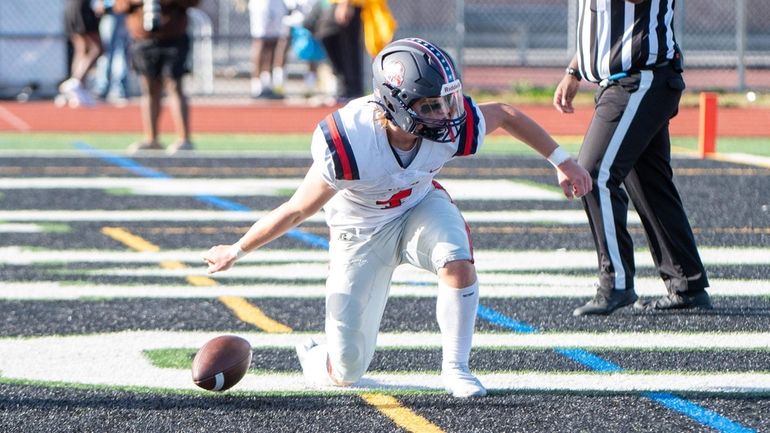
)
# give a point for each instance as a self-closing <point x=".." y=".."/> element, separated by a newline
<point x="221" y="362"/>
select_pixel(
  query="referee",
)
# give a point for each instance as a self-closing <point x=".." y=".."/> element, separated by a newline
<point x="628" y="48"/>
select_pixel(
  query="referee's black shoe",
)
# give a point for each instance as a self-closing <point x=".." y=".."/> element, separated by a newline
<point x="676" y="301"/>
<point x="606" y="301"/>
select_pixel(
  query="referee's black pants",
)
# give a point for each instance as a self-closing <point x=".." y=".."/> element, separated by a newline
<point x="628" y="143"/>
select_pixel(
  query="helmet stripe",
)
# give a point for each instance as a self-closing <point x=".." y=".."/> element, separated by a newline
<point x="446" y="65"/>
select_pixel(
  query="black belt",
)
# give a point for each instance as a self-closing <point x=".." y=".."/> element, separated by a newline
<point x="656" y="66"/>
<point x="615" y="77"/>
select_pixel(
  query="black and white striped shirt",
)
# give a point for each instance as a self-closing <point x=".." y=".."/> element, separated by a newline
<point x="617" y="36"/>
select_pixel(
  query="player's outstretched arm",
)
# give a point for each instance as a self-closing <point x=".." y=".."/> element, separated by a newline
<point x="573" y="179"/>
<point x="311" y="195"/>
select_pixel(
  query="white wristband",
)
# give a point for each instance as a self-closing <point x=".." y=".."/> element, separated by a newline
<point x="558" y="156"/>
<point x="236" y="251"/>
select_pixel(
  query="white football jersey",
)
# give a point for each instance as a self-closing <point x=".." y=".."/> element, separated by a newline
<point x="352" y="152"/>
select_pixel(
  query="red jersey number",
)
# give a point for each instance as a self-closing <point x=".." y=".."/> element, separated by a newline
<point x="395" y="199"/>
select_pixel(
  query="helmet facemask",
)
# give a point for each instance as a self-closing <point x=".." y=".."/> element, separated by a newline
<point x="439" y="118"/>
<point x="419" y="90"/>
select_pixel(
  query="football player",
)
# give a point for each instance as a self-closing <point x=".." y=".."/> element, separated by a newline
<point x="374" y="163"/>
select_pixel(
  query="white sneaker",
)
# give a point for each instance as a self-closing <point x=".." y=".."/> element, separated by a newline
<point x="459" y="381"/>
<point x="183" y="146"/>
<point x="76" y="95"/>
<point x="313" y="359"/>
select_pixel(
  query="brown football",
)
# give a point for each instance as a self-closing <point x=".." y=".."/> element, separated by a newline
<point x="221" y="362"/>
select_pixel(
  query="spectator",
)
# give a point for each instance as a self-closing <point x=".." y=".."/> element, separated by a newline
<point x="112" y="67"/>
<point x="339" y="28"/>
<point x="304" y="46"/>
<point x="82" y="27"/>
<point x="159" y="48"/>
<point x="270" y="40"/>
<point x="627" y="150"/>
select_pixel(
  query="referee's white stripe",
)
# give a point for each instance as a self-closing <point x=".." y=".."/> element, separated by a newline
<point x="653" y="33"/>
<point x="608" y="216"/>
<point x="628" y="36"/>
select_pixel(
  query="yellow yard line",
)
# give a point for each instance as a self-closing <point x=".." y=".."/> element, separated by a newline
<point x="402" y="416"/>
<point x="200" y="281"/>
<point x="241" y="307"/>
<point x="130" y="240"/>
<point x="252" y="314"/>
<point x="172" y="264"/>
<point x="194" y="280"/>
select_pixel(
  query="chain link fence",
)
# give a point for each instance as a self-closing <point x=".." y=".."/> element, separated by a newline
<point x="727" y="36"/>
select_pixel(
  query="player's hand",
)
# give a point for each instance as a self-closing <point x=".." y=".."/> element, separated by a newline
<point x="574" y="180"/>
<point x="565" y="93"/>
<point x="219" y="258"/>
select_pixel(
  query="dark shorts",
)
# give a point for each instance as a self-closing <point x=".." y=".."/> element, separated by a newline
<point x="80" y="18"/>
<point x="156" y="59"/>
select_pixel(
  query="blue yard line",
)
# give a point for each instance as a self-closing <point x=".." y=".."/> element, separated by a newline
<point x="500" y="319"/>
<point x="222" y="203"/>
<point x="677" y="404"/>
<point x="128" y="164"/>
<point x="212" y="200"/>
<point x="590" y="360"/>
<point x="704" y="416"/>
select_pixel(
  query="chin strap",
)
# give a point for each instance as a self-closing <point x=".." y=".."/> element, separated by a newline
<point x="384" y="109"/>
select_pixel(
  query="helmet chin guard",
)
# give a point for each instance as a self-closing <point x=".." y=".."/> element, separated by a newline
<point x="416" y="84"/>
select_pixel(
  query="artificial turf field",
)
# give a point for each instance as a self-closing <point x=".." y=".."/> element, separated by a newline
<point x="104" y="301"/>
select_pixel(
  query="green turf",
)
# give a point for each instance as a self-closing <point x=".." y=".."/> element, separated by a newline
<point x="170" y="358"/>
<point x="300" y="143"/>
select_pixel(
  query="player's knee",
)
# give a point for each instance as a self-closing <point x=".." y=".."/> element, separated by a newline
<point x="458" y="273"/>
<point x="347" y="358"/>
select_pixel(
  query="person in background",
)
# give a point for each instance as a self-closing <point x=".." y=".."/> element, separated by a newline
<point x="374" y="163"/>
<point x="112" y="67"/>
<point x="159" y="48"/>
<point x="304" y="46"/>
<point x="627" y="149"/>
<point x="270" y="40"/>
<point x="351" y="26"/>
<point x="342" y="41"/>
<point x="82" y="27"/>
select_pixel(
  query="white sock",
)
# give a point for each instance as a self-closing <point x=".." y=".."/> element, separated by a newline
<point x="267" y="81"/>
<point x="456" y="316"/>
<point x="278" y="77"/>
<point x="256" y="87"/>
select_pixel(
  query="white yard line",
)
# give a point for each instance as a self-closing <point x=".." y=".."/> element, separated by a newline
<point x="523" y="286"/>
<point x="22" y="256"/>
<point x="20" y="228"/>
<point x="743" y="158"/>
<point x="486" y="260"/>
<point x="309" y="272"/>
<point x="460" y="189"/>
<point x="570" y="217"/>
<point x="117" y="359"/>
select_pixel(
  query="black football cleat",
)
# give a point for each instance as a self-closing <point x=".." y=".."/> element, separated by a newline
<point x="606" y="301"/>
<point x="676" y="301"/>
